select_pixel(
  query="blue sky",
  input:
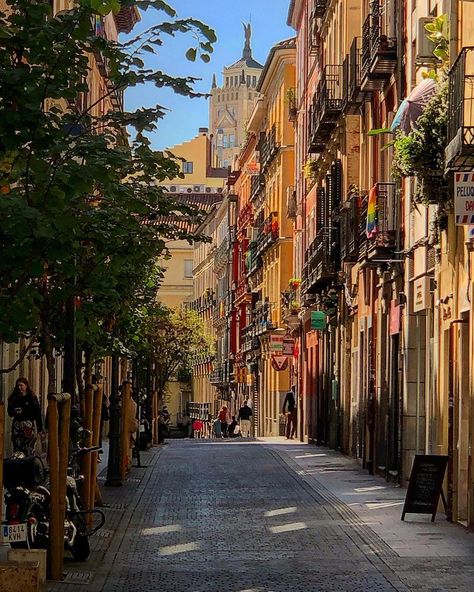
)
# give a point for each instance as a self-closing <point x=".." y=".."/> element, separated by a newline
<point x="186" y="115"/>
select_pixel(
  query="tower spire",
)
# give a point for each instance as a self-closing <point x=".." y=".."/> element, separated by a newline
<point x="214" y="81"/>
<point x="247" y="53"/>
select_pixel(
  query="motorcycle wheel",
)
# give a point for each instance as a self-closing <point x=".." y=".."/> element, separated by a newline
<point x="81" y="549"/>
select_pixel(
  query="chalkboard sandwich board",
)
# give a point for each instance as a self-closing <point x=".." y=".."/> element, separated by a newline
<point x="426" y="485"/>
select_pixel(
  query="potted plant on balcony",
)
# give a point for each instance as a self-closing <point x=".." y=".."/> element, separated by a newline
<point x="295" y="307"/>
<point x="311" y="170"/>
<point x="294" y="283"/>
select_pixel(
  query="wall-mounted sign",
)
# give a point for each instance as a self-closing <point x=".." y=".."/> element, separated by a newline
<point x="421" y="293"/>
<point x="288" y="346"/>
<point x="276" y="343"/>
<point x="395" y="317"/>
<point x="464" y="198"/>
<point x="279" y="363"/>
<point x="318" y="320"/>
<point x="252" y="168"/>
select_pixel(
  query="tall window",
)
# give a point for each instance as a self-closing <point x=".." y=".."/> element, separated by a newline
<point x="231" y="140"/>
<point x="188" y="168"/>
<point x="254" y="81"/>
<point x="226" y="141"/>
<point x="188" y="268"/>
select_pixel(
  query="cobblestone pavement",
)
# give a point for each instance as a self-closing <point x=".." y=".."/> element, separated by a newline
<point x="212" y="516"/>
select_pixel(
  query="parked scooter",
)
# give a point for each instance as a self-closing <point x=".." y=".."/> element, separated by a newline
<point x="27" y="507"/>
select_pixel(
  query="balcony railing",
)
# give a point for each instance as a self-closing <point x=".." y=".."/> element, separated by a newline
<point x="217" y="375"/>
<point x="245" y="217"/>
<point x="268" y="233"/>
<point x="262" y="319"/>
<point x="269" y="146"/>
<point x="380" y="235"/>
<point x="460" y="150"/>
<point x="379" y="51"/>
<point x="257" y="183"/>
<point x="221" y="254"/>
<point x="349" y="228"/>
<point x="254" y="261"/>
<point x="326" y="108"/>
<point x="353" y="94"/>
<point x="321" y="260"/>
<point x="319" y="8"/>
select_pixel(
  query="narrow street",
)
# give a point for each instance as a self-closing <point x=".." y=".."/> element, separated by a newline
<point x="270" y="516"/>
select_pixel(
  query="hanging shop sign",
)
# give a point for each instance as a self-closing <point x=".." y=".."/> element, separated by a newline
<point x="464" y="198"/>
<point x="318" y="320"/>
<point x="279" y="363"/>
<point x="288" y="346"/>
<point x="395" y="317"/>
<point x="276" y="343"/>
<point x="252" y="168"/>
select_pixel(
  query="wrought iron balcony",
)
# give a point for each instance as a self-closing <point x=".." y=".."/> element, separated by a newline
<point x="349" y="228"/>
<point x="268" y="147"/>
<point x="460" y="149"/>
<point x="245" y="217"/>
<point x="379" y="237"/>
<point x="268" y="233"/>
<point x="216" y="377"/>
<point x="353" y="94"/>
<point x="321" y="261"/>
<point x="319" y="8"/>
<point x="262" y="319"/>
<point x="242" y="289"/>
<point x="379" y="51"/>
<point x="326" y="108"/>
<point x="253" y="260"/>
<point x="221" y="254"/>
<point x="257" y="183"/>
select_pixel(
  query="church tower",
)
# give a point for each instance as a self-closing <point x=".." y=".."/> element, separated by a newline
<point x="232" y="104"/>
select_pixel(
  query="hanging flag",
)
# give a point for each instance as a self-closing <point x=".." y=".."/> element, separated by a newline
<point x="371" y="228"/>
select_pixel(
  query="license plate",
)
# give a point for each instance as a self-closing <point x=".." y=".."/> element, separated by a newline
<point x="14" y="533"/>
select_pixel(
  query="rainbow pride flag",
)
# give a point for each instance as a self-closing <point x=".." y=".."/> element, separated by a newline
<point x="371" y="228"/>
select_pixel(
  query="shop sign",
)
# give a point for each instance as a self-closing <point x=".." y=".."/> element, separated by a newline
<point x="318" y="320"/>
<point x="421" y="293"/>
<point x="279" y="363"/>
<point x="252" y="168"/>
<point x="464" y="198"/>
<point x="276" y="343"/>
<point x="288" y="346"/>
<point x="395" y="317"/>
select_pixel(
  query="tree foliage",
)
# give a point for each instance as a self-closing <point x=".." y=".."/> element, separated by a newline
<point x="81" y="208"/>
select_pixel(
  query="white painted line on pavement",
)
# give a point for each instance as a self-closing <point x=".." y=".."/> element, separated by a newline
<point x="281" y="511"/>
<point x="288" y="527"/>
<point x="310" y="455"/>
<point x="175" y="549"/>
<point x="161" y="529"/>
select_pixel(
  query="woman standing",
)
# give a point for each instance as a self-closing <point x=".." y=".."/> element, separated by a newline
<point x="24" y="408"/>
<point x="223" y="417"/>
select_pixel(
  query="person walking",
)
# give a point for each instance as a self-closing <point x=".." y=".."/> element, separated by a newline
<point x="223" y="417"/>
<point x="245" y="413"/>
<point x="24" y="408"/>
<point x="290" y="404"/>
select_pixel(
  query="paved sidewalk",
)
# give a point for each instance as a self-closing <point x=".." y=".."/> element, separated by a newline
<point x="267" y="516"/>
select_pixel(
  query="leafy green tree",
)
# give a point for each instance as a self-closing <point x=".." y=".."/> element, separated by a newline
<point x="82" y="212"/>
<point x="176" y="337"/>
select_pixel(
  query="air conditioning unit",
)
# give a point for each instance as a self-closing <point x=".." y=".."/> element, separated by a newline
<point x="208" y="189"/>
<point x="424" y="47"/>
<point x="173" y="188"/>
<point x="198" y="188"/>
<point x="189" y="190"/>
<point x="220" y="189"/>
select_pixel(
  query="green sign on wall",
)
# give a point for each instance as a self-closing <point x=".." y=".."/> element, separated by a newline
<point x="318" y="320"/>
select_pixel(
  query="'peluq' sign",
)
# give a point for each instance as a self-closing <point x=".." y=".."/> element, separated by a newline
<point x="464" y="198"/>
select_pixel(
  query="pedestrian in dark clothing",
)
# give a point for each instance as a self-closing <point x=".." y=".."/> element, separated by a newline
<point x="233" y="424"/>
<point x="245" y="413"/>
<point x="289" y="409"/>
<point x="104" y="416"/>
<point x="223" y="417"/>
<point x="24" y="408"/>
